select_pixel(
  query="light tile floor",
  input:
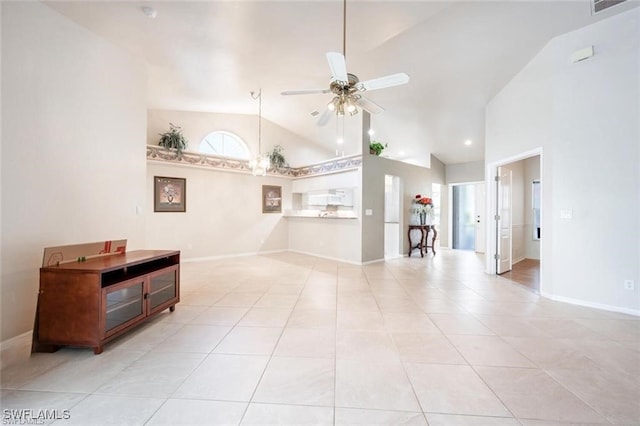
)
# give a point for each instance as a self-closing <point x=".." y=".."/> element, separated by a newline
<point x="292" y="339"/>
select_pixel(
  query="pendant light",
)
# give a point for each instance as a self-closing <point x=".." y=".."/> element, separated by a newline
<point x="260" y="164"/>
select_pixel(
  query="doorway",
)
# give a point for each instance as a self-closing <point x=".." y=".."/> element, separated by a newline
<point x="515" y="201"/>
<point x="464" y="237"/>
<point x="467" y="217"/>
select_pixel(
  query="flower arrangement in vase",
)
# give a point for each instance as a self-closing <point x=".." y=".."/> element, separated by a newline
<point x="423" y="206"/>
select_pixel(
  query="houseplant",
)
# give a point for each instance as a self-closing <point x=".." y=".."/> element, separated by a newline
<point x="276" y="157"/>
<point x="173" y="139"/>
<point x="376" y="148"/>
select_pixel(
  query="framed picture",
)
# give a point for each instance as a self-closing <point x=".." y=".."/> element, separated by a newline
<point x="170" y="194"/>
<point x="271" y="199"/>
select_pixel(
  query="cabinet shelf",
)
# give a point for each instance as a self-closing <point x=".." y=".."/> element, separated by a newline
<point x="122" y="305"/>
<point x="89" y="303"/>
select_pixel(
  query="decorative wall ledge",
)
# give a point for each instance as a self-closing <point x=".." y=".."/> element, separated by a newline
<point x="160" y="154"/>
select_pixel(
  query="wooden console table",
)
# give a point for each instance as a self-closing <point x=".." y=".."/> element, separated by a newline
<point x="424" y="238"/>
<point x="90" y="302"/>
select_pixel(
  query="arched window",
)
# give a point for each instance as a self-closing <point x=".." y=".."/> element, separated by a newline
<point x="224" y="143"/>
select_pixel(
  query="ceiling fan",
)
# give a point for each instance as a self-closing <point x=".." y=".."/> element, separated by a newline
<point x="346" y="87"/>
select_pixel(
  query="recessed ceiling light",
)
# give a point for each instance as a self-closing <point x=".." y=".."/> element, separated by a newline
<point x="150" y="12"/>
<point x="340" y="141"/>
<point x="401" y="153"/>
<point x="371" y="132"/>
<point x="468" y="142"/>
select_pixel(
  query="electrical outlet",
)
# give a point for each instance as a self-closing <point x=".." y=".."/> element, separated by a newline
<point x="629" y="285"/>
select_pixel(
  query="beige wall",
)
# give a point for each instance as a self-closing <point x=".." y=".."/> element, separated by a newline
<point x="331" y="238"/>
<point x="73" y="147"/>
<point x="567" y="123"/>
<point x="413" y="180"/>
<point x="465" y="172"/>
<point x="224" y="214"/>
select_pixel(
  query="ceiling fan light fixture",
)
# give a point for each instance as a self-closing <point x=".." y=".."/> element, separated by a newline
<point x="346" y="86"/>
<point x="351" y="106"/>
<point x="333" y="105"/>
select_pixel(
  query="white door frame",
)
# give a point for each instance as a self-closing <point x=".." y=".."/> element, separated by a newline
<point x="492" y="201"/>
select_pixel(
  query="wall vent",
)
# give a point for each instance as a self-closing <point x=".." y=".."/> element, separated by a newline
<point x="600" y="5"/>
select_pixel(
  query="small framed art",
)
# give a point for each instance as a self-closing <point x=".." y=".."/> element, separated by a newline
<point x="271" y="199"/>
<point x="170" y="194"/>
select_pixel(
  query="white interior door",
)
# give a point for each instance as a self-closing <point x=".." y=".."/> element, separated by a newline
<point x="481" y="229"/>
<point x="503" y="220"/>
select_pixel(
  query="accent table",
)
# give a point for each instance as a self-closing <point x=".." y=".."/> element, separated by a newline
<point x="424" y="237"/>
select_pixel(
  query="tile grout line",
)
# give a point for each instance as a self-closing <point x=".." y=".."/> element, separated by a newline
<point x="275" y="346"/>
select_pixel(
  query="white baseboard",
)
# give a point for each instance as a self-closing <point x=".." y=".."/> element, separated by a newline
<point x="369" y="262"/>
<point x="15" y="350"/>
<point x="601" y="306"/>
<point x="351" y="262"/>
<point x="230" y="256"/>
<point x="396" y="256"/>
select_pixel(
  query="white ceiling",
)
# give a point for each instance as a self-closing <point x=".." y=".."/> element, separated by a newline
<point x="209" y="55"/>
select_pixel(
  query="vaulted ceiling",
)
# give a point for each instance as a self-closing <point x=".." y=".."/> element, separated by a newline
<point x="209" y="55"/>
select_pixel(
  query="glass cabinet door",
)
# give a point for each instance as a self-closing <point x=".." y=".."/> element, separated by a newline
<point x="124" y="304"/>
<point x="162" y="287"/>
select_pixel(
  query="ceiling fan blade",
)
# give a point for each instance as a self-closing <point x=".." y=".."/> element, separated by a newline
<point x="369" y="105"/>
<point x="324" y="118"/>
<point x="338" y="66"/>
<point x="305" y="92"/>
<point x="383" y="82"/>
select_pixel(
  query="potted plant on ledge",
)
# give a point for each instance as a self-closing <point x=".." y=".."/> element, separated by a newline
<point x="276" y="157"/>
<point x="173" y="139"/>
<point x="376" y="148"/>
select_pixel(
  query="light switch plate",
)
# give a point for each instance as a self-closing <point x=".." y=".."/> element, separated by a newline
<point x="566" y="214"/>
<point x="368" y="212"/>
